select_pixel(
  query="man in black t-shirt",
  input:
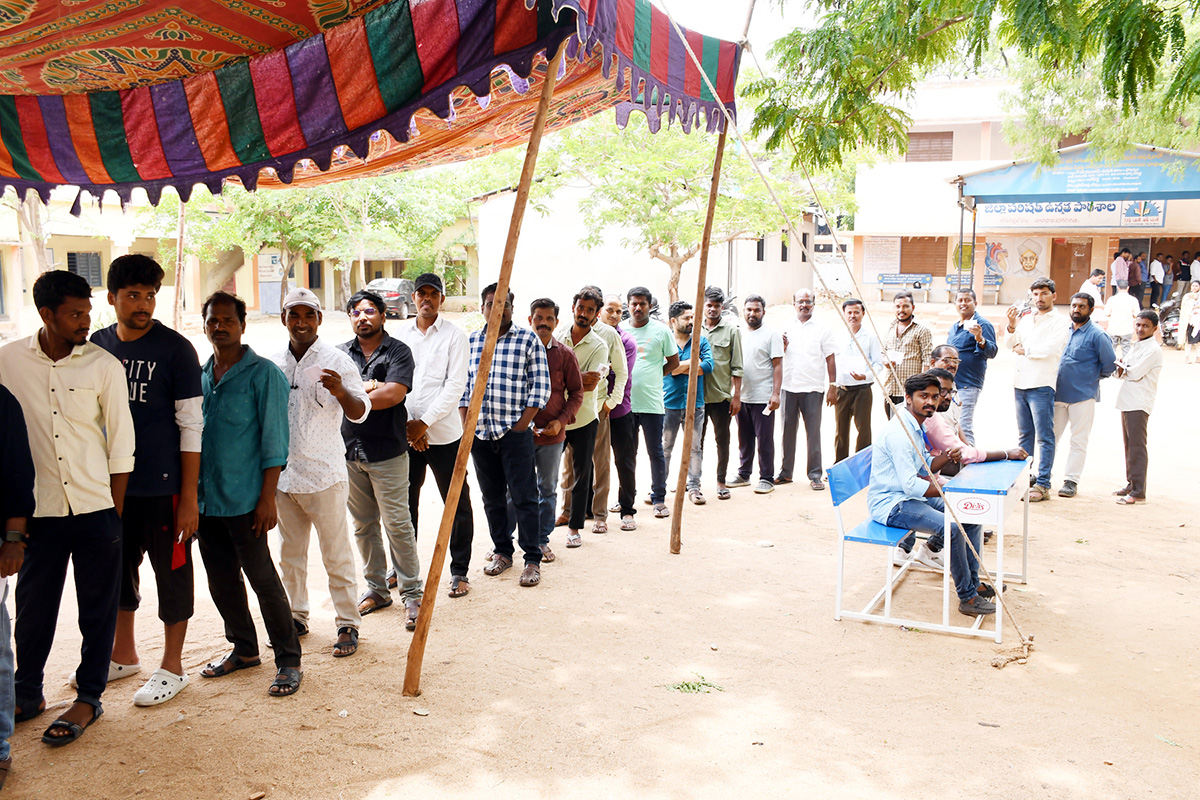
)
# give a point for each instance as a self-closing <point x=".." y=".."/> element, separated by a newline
<point x="377" y="461"/>
<point x="161" y="513"/>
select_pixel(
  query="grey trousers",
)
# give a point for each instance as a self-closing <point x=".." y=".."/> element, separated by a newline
<point x="1137" y="458"/>
<point x="806" y="405"/>
<point x="673" y="422"/>
<point x="379" y="494"/>
<point x="325" y="510"/>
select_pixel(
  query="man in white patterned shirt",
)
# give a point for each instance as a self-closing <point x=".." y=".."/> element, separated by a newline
<point x="518" y="385"/>
<point x="314" y="488"/>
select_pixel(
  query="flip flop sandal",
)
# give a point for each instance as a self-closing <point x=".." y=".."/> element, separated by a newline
<point x="723" y="494"/>
<point x="499" y="564"/>
<point x="217" y="669"/>
<point x="411" y="609"/>
<point x="697" y="497"/>
<point x="574" y="540"/>
<point x="345" y="649"/>
<point x="548" y="554"/>
<point x="459" y="586"/>
<point x="74" y="729"/>
<point x="531" y="575"/>
<point x="600" y="526"/>
<point x="1130" y="500"/>
<point x="162" y="686"/>
<point x="628" y="523"/>
<point x="287" y="682"/>
<point x="615" y="508"/>
<point x="376" y="600"/>
<point x="661" y="511"/>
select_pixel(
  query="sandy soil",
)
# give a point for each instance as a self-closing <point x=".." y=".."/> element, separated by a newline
<point x="565" y="689"/>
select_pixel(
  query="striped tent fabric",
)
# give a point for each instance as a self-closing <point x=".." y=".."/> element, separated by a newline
<point x="335" y="90"/>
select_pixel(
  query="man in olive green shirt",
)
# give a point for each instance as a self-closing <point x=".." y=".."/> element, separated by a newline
<point x="723" y="386"/>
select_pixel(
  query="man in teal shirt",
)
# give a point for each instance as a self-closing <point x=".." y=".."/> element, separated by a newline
<point x="657" y="356"/>
<point x="243" y="450"/>
<point x="675" y="390"/>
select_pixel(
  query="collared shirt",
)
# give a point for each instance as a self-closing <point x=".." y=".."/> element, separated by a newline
<point x="942" y="437"/>
<point x="1139" y="381"/>
<point x="1136" y="268"/>
<point x="1120" y="270"/>
<point x="16" y="462"/>
<point x="896" y="466"/>
<point x="972" y="356"/>
<point x="725" y="340"/>
<point x="1044" y="337"/>
<point x="625" y="404"/>
<point x="809" y="345"/>
<point x="440" y="375"/>
<point x="1156" y="271"/>
<point x="1087" y="287"/>
<point x="163" y="373"/>
<point x="383" y="435"/>
<point x="1122" y="308"/>
<point x="519" y="378"/>
<point x="615" y="386"/>
<point x="566" y="392"/>
<point x="762" y="347"/>
<point x="655" y="344"/>
<point x="590" y="354"/>
<point x="77" y="414"/>
<point x="1087" y="358"/>
<point x="675" y="387"/>
<point x="317" y="453"/>
<point x="915" y="344"/>
<point x="850" y="359"/>
<point x="245" y="433"/>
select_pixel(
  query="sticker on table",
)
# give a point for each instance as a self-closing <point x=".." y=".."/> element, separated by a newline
<point x="973" y="505"/>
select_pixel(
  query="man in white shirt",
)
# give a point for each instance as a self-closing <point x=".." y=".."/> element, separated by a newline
<point x="1038" y="340"/>
<point x="440" y="350"/>
<point x="1091" y="287"/>
<point x="854" y="380"/>
<point x="1138" y="371"/>
<point x="809" y="361"/>
<point x="314" y="489"/>
<point x="1122" y="308"/>
<point x="75" y="402"/>
<point x="1157" y="274"/>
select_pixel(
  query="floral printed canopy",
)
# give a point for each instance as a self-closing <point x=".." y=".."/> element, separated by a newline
<point x="119" y="94"/>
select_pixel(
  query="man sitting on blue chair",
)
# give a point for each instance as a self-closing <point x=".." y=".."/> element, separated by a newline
<point x="902" y="493"/>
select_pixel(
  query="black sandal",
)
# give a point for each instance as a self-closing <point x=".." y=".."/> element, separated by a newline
<point x="343" y="649"/>
<point x="26" y="715"/>
<point x="287" y="682"/>
<point x="217" y="669"/>
<point x="74" y="729"/>
<point x="459" y="586"/>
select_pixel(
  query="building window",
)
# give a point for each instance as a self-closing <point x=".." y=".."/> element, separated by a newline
<point x="933" y="146"/>
<point x="86" y="265"/>
<point x="761" y="248"/>
<point x="804" y="251"/>
<point x="924" y="254"/>
<point x="315" y="268"/>
<point x="783" y="248"/>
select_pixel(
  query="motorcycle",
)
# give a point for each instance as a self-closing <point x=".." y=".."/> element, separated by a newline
<point x="1168" y="317"/>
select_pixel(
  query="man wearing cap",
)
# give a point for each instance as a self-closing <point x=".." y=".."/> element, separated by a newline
<point x="313" y="490"/>
<point x="440" y="350"/>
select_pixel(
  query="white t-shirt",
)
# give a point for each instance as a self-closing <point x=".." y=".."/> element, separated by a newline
<point x="759" y="347"/>
<point x="804" y="365"/>
<point x="1087" y="287"/>
<point x="1122" y="308"/>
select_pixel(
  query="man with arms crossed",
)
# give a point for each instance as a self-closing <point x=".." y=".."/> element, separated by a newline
<point x="591" y="356"/>
<point x="723" y="386"/>
<point x="675" y="391"/>
<point x="854" y="381"/>
<point x="244" y="448"/>
<point x="623" y="432"/>
<point x="75" y="401"/>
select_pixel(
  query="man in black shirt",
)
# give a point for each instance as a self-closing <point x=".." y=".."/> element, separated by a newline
<point x="377" y="461"/>
<point x="161" y="508"/>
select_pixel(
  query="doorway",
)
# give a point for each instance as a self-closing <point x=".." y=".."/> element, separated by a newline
<point x="1070" y="266"/>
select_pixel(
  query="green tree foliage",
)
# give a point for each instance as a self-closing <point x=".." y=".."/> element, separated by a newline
<point x="843" y="83"/>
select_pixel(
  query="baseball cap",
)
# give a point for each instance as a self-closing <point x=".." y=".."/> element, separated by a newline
<point x="301" y="297"/>
<point x="428" y="279"/>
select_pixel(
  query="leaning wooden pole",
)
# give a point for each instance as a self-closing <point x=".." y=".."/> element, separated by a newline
<point x="416" y="649"/>
<point x="689" y="417"/>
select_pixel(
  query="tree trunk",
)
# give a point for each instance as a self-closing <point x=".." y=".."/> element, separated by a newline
<point x="285" y="258"/>
<point x="29" y="215"/>
<point x="177" y="317"/>
<point x="344" y="284"/>
<point x="676" y="265"/>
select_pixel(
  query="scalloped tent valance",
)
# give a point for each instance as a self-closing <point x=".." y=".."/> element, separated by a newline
<point x="340" y="81"/>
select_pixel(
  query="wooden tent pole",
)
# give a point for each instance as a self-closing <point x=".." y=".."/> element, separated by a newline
<point x="694" y="367"/>
<point x="416" y="649"/>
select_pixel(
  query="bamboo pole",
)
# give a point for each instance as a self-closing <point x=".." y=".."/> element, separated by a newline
<point x="416" y="649"/>
<point x="694" y="365"/>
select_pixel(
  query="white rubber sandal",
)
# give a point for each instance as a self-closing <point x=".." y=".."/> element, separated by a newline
<point x="115" y="672"/>
<point x="161" y="687"/>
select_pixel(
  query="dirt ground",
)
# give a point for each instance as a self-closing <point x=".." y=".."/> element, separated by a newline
<point x="565" y="690"/>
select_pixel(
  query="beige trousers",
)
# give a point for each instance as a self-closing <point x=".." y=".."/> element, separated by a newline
<point x="601" y="460"/>
<point x="325" y="510"/>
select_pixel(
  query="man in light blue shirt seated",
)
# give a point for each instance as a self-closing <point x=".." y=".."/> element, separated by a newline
<point x="902" y="493"/>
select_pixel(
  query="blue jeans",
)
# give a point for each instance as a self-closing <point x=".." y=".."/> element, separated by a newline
<point x="672" y="427"/>
<point x="504" y="468"/>
<point x="1035" y="420"/>
<point x="8" y="700"/>
<point x="927" y="516"/>
<point x="969" y="397"/>
<point x="546" y="458"/>
<point x="652" y="431"/>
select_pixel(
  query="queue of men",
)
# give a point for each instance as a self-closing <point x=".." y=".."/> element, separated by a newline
<point x="125" y="446"/>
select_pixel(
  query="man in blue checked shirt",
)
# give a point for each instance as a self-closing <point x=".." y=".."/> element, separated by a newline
<point x="975" y="339"/>
<point x="518" y="385"/>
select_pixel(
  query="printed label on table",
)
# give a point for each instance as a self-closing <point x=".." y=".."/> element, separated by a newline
<point x="973" y="505"/>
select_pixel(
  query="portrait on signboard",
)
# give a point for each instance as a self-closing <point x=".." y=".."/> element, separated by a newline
<point x="1029" y="253"/>
<point x="1016" y="257"/>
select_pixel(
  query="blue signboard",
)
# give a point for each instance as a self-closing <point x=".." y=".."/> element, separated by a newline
<point x="1143" y="174"/>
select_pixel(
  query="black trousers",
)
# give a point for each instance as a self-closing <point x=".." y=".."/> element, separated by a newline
<point x="581" y="443"/>
<point x="806" y="406"/>
<point x="754" y="427"/>
<point x="898" y="400"/>
<point x="504" y="468"/>
<point x="1138" y="292"/>
<point x="440" y="459"/>
<point x="92" y="543"/>
<point x="623" y="434"/>
<point x="853" y="404"/>
<point x="718" y="414"/>
<point x="230" y="548"/>
<point x="1155" y="293"/>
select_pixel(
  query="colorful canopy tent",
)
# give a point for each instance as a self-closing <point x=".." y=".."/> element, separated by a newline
<point x="119" y="95"/>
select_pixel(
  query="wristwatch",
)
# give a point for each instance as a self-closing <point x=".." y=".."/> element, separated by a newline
<point x="14" y="536"/>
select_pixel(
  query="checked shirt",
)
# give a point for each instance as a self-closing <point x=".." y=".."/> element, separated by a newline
<point x="519" y="379"/>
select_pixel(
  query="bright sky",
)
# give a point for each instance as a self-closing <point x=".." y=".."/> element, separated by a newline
<point x="726" y="18"/>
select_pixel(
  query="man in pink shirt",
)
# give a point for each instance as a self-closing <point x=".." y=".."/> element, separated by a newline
<point x="943" y="438"/>
<point x="1119" y="268"/>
